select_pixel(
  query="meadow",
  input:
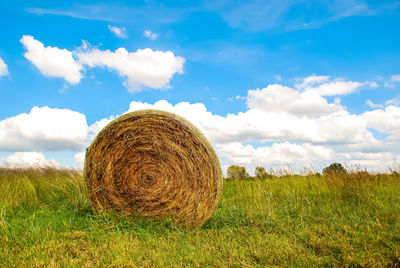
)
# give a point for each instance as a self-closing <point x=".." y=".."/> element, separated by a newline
<point x="337" y="220"/>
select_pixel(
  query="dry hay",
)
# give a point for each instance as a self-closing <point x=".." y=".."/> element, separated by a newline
<point x="154" y="163"/>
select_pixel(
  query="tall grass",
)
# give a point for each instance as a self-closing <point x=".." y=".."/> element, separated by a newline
<point x="338" y="220"/>
<point x="42" y="187"/>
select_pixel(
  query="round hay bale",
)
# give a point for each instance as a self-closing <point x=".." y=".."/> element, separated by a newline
<point x="156" y="164"/>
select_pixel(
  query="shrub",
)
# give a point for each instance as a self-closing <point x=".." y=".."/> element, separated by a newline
<point x="261" y="173"/>
<point x="334" y="168"/>
<point x="237" y="172"/>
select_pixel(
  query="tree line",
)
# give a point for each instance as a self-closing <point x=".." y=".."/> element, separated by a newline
<point x="239" y="172"/>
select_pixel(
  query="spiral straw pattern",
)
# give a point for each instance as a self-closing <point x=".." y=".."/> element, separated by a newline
<point x="154" y="164"/>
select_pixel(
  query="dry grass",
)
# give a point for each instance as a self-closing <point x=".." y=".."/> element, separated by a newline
<point x="154" y="163"/>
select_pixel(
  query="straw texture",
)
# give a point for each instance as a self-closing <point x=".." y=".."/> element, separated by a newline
<point x="156" y="164"/>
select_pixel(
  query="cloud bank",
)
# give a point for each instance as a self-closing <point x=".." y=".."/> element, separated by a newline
<point x="44" y="129"/>
<point x="29" y="159"/>
<point x="281" y="126"/>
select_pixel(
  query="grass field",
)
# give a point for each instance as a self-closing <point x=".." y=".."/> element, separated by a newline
<point x="349" y="220"/>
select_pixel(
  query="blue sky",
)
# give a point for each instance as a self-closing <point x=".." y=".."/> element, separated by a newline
<point x="270" y="83"/>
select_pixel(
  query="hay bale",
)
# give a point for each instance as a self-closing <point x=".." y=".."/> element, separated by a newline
<point x="154" y="163"/>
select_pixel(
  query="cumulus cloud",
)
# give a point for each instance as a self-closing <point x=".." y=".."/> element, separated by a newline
<point x="337" y="88"/>
<point x="149" y="34"/>
<point x="29" y="159"/>
<point x="266" y="120"/>
<point x="118" y="32"/>
<point x="278" y="98"/>
<point x="281" y="126"/>
<point x="284" y="153"/>
<point x="3" y="68"/>
<point x="95" y="128"/>
<point x="79" y="159"/>
<point x="144" y="67"/>
<point x="293" y="137"/>
<point x="385" y="120"/>
<point x="52" y="61"/>
<point x="44" y="129"/>
<point x="380" y="160"/>
<point x="325" y="86"/>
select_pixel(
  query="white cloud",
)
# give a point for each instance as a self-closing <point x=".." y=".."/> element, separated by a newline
<point x="325" y="86"/>
<point x="3" y="68"/>
<point x="45" y="129"/>
<point x="281" y="99"/>
<point x="144" y="67"/>
<point x="387" y="121"/>
<point x="376" y="161"/>
<point x="257" y="125"/>
<point x="289" y="127"/>
<point x="395" y="101"/>
<point x="373" y="105"/>
<point x="238" y="97"/>
<point x="52" y="61"/>
<point x="373" y="84"/>
<point x="282" y="126"/>
<point x="396" y="77"/>
<point x="149" y="34"/>
<point x="118" y="32"/>
<point x="95" y="128"/>
<point x="337" y="88"/>
<point x="29" y="159"/>
<point x="312" y="80"/>
<point x="283" y="153"/>
<point x="80" y="159"/>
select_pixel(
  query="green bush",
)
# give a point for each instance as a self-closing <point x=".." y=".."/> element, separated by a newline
<point x="334" y="168"/>
<point x="237" y="172"/>
<point x="261" y="173"/>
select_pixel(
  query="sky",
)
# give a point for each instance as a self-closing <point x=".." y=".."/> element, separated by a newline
<point x="279" y="83"/>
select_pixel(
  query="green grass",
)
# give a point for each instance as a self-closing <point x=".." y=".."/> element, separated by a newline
<point x="351" y="220"/>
